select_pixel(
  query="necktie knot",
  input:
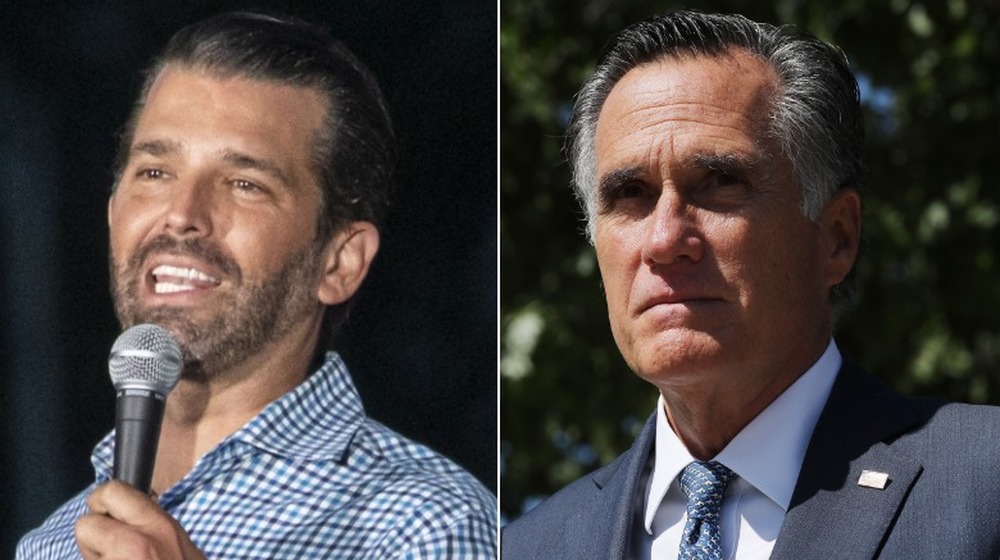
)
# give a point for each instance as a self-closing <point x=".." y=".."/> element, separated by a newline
<point x="703" y="484"/>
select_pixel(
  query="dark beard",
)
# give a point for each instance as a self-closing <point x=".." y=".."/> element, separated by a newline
<point x="251" y="315"/>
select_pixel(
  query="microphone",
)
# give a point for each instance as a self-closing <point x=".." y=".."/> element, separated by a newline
<point x="145" y="364"/>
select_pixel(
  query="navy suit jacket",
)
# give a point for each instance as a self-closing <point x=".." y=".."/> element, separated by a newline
<point x="942" y="499"/>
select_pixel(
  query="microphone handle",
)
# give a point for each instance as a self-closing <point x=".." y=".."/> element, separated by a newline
<point x="139" y="413"/>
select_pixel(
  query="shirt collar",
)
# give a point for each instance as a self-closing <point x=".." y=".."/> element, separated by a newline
<point x="314" y="421"/>
<point x="768" y="452"/>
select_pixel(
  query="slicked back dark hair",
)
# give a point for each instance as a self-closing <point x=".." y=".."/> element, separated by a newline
<point x="353" y="153"/>
<point x="815" y="115"/>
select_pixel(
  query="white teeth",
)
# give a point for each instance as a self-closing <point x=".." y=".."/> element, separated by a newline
<point x="179" y="272"/>
<point x="174" y="279"/>
<point x="169" y="288"/>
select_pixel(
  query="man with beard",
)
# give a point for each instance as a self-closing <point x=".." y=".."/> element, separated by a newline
<point x="251" y="179"/>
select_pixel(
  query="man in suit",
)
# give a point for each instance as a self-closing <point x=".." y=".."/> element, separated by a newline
<point x="718" y="161"/>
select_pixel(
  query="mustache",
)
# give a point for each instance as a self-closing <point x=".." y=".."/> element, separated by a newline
<point x="195" y="247"/>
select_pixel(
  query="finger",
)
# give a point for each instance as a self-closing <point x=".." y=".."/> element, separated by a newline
<point x="121" y="501"/>
<point x="99" y="536"/>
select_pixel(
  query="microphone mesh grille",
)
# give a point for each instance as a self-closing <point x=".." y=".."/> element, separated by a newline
<point x="146" y="356"/>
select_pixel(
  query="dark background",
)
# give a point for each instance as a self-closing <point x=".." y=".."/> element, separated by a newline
<point x="422" y="339"/>
<point x="927" y="321"/>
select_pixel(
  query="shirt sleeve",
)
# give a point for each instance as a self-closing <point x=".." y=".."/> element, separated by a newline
<point x="55" y="538"/>
<point x="471" y="536"/>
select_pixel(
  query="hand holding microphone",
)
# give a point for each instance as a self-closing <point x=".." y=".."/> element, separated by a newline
<point x="145" y="364"/>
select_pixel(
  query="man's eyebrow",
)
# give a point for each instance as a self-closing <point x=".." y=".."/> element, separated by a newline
<point x="245" y="161"/>
<point x="736" y="165"/>
<point x="155" y="147"/>
<point x="615" y="178"/>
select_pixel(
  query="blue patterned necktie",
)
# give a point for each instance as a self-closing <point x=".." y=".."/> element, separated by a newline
<point x="703" y="483"/>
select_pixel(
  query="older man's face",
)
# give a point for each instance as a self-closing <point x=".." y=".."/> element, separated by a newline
<point x="712" y="272"/>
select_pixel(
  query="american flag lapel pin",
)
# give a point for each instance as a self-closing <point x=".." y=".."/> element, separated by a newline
<point x="873" y="479"/>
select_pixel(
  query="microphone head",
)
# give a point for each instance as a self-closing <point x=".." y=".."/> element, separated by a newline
<point x="146" y="356"/>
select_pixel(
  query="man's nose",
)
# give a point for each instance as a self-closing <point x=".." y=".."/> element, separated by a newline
<point x="190" y="207"/>
<point x="671" y="233"/>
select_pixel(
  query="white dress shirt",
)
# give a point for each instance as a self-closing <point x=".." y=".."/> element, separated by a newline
<point x="766" y="457"/>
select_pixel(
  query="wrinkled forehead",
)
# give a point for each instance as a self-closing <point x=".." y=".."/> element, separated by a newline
<point x="699" y="85"/>
<point x="675" y="104"/>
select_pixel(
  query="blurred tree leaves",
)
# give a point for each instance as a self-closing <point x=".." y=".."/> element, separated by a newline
<point x="926" y="322"/>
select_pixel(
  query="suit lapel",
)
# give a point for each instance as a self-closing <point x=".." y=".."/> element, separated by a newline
<point x="606" y="531"/>
<point x="830" y="512"/>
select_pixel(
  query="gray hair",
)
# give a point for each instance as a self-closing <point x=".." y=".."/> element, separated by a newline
<point x="815" y="115"/>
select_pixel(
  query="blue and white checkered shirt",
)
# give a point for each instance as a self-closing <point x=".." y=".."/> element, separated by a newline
<point x="310" y="477"/>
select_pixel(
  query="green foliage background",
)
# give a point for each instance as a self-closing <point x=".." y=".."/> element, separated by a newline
<point x="927" y="319"/>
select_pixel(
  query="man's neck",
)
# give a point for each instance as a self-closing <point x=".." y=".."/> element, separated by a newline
<point x="706" y="417"/>
<point x="200" y="413"/>
<point x="708" y="426"/>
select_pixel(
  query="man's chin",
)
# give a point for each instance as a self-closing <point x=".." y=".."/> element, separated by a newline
<point x="171" y="318"/>
<point x="178" y="324"/>
<point x="674" y="355"/>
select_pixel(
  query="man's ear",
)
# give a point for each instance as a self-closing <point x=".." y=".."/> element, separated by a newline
<point x="841" y="222"/>
<point x="346" y="259"/>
